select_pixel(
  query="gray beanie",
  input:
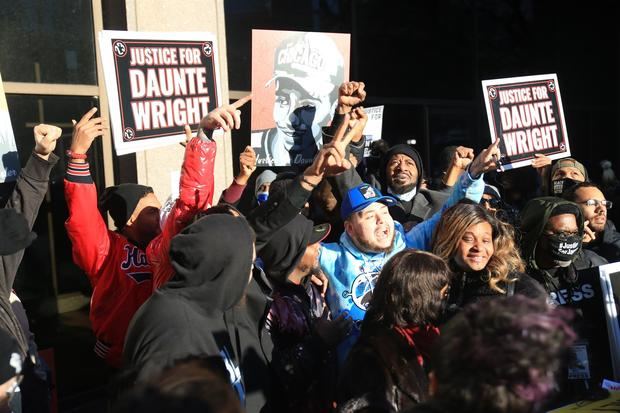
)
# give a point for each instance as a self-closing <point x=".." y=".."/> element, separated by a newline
<point x="267" y="177"/>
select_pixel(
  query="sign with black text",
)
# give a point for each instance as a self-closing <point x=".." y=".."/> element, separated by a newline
<point x="157" y="83"/>
<point x="526" y="114"/>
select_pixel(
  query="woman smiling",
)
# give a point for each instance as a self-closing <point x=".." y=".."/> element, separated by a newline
<point x="481" y="251"/>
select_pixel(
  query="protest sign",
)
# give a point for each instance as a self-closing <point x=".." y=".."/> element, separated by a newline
<point x="373" y="128"/>
<point x="610" y="285"/>
<point x="526" y="114"/>
<point x="591" y="359"/>
<point x="295" y="81"/>
<point x="9" y="160"/>
<point x="157" y="83"/>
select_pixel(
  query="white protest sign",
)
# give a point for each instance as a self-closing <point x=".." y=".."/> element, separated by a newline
<point x="157" y="83"/>
<point x="373" y="128"/>
<point x="526" y="114"/>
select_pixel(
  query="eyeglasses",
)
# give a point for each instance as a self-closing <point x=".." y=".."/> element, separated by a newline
<point x="493" y="202"/>
<point x="596" y="203"/>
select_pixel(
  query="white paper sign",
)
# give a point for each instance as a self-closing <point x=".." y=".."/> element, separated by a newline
<point x="157" y="83"/>
<point x="526" y="114"/>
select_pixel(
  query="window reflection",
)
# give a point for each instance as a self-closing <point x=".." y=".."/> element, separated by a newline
<point x="47" y="42"/>
<point x="47" y="265"/>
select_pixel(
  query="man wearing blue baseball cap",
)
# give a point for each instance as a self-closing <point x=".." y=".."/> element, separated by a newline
<point x="372" y="237"/>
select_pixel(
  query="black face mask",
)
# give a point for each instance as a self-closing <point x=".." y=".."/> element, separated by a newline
<point x="561" y="185"/>
<point x="562" y="248"/>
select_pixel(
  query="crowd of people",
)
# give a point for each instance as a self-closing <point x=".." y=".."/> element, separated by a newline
<point x="348" y="286"/>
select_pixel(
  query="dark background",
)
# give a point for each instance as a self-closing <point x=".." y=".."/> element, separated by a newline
<point x="425" y="61"/>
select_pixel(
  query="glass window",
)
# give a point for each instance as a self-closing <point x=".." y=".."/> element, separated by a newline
<point x="47" y="42"/>
<point x="51" y="253"/>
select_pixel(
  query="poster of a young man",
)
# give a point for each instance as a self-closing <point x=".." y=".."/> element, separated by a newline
<point x="295" y="80"/>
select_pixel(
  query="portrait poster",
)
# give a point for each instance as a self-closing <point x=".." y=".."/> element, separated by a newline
<point x="526" y="114"/>
<point x="157" y="83"/>
<point x="295" y="81"/>
<point x="9" y="159"/>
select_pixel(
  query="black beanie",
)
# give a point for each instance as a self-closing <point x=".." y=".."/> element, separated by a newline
<point x="407" y="150"/>
<point x="285" y="248"/>
<point x="566" y="208"/>
<point x="121" y="200"/>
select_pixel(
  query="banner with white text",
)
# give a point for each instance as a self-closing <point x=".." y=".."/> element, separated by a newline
<point x="526" y="114"/>
<point x="157" y="83"/>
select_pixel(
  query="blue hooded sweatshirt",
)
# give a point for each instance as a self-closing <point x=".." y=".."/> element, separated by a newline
<point x="353" y="274"/>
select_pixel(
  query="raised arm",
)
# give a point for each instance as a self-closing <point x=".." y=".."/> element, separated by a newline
<point x="275" y="213"/>
<point x="461" y="158"/>
<point x="85" y="226"/>
<point x="470" y="185"/>
<point x="247" y="166"/>
<point x="29" y="192"/>
<point x="196" y="185"/>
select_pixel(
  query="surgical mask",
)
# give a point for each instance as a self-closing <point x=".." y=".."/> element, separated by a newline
<point x="261" y="197"/>
<point x="563" y="248"/>
<point x="560" y="185"/>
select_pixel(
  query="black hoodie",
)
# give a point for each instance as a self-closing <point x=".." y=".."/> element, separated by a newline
<point x="192" y="314"/>
<point x="534" y="217"/>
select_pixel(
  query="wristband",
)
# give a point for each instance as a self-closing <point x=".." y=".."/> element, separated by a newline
<point x="303" y="178"/>
<point x="73" y="155"/>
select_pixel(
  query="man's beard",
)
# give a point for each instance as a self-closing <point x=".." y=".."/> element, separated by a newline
<point x="399" y="189"/>
<point x="597" y="228"/>
<point x="366" y="247"/>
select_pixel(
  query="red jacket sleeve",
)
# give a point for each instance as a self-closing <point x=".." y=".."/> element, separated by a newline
<point x="195" y="195"/>
<point x="85" y="226"/>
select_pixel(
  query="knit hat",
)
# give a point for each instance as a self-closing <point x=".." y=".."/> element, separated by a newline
<point x="121" y="200"/>
<point x="570" y="162"/>
<point x="267" y="177"/>
<point x="407" y="150"/>
<point x="15" y="232"/>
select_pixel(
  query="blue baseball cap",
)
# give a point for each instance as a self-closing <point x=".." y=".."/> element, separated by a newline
<point x="360" y="197"/>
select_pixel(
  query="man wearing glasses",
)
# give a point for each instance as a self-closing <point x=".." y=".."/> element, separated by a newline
<point x="600" y="233"/>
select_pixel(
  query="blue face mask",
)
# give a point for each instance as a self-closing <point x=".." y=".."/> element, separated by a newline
<point x="261" y="197"/>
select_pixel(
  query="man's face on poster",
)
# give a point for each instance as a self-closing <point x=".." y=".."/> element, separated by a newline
<point x="296" y="112"/>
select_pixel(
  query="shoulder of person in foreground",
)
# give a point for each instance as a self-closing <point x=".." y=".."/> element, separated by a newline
<point x="528" y="286"/>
